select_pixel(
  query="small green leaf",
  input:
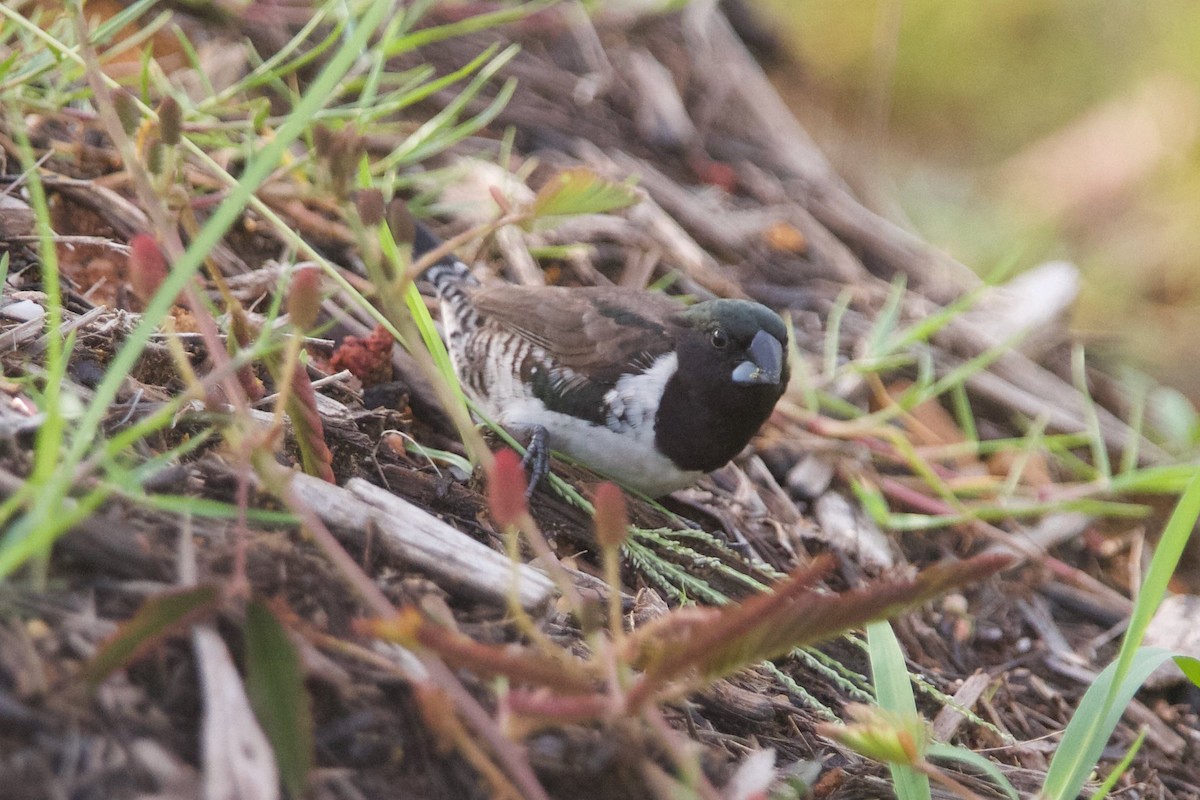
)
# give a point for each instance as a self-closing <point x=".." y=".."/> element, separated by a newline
<point x="1190" y="667"/>
<point x="275" y="685"/>
<point x="581" y="191"/>
<point x="158" y="618"/>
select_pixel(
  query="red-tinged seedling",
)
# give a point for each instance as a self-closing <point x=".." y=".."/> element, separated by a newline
<point x="611" y="519"/>
<point x="712" y="643"/>
<point x="501" y="200"/>
<point x="304" y="298"/>
<point x="612" y="526"/>
<point x="315" y="454"/>
<point x="525" y="711"/>
<point x="684" y="649"/>
<point x="508" y="499"/>
<point x="698" y="641"/>
<point x="562" y="672"/>
<point x="300" y="402"/>
<point x="506" y="490"/>
<point x="147" y="266"/>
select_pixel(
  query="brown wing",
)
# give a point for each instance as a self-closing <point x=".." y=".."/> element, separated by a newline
<point x="600" y="332"/>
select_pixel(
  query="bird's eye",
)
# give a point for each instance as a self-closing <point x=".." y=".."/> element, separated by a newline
<point x="719" y="339"/>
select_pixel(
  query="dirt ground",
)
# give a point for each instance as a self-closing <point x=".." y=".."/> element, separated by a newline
<point x="737" y="203"/>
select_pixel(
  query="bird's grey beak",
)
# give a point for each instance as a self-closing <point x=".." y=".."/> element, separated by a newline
<point x="765" y="364"/>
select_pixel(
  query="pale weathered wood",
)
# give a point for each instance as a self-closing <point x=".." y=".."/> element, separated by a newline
<point x="410" y="534"/>
<point x="237" y="758"/>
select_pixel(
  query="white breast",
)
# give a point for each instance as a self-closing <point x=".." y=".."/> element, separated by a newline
<point x="622" y="449"/>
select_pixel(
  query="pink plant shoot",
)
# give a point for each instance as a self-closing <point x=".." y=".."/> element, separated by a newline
<point x="506" y="490"/>
<point x="304" y="298"/>
<point x="147" y="266"/>
<point x="611" y="519"/>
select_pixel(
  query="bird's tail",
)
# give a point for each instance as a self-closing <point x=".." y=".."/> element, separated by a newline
<point x="448" y="274"/>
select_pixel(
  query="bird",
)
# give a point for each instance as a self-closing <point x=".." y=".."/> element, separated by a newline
<point x="632" y="384"/>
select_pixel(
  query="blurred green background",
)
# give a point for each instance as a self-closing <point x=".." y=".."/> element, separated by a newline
<point x="1027" y="129"/>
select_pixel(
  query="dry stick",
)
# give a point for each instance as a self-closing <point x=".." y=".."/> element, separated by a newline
<point x="337" y="377"/>
<point x="944" y="778"/>
<point x="94" y="241"/>
<point x="448" y="247"/>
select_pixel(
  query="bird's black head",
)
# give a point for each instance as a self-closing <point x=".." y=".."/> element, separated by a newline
<point x="734" y="343"/>
<point x="732" y="368"/>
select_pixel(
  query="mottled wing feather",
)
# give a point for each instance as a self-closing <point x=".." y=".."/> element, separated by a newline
<point x="597" y="333"/>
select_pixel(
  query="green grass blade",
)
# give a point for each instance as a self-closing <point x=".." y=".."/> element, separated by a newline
<point x="1162" y="566"/>
<point x="1093" y="722"/>
<point x="1099" y="447"/>
<point x="273" y="70"/>
<point x="1122" y="766"/>
<point x="34" y="533"/>
<point x="886" y="320"/>
<point x="474" y="24"/>
<point x="833" y="333"/>
<point x="894" y="693"/>
<point x="1166" y="479"/>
